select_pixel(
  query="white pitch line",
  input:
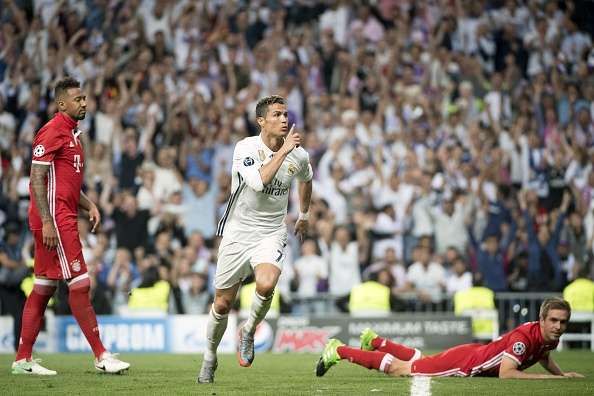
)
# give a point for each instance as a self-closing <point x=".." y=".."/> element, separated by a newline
<point x="420" y="386"/>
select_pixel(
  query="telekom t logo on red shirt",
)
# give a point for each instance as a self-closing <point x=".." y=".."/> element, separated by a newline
<point x="76" y="163"/>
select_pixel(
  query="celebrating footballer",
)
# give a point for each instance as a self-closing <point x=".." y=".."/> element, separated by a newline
<point x="253" y="225"/>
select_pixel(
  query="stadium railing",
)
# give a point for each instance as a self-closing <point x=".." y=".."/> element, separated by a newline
<point x="513" y="308"/>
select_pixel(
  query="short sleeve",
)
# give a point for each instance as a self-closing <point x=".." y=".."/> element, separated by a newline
<point x="246" y="163"/>
<point x="306" y="172"/>
<point x="517" y="348"/>
<point x="45" y="147"/>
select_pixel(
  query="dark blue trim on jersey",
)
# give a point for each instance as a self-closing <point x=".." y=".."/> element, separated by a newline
<point x="232" y="199"/>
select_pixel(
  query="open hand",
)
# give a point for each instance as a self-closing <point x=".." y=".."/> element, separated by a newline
<point x="50" y="235"/>
<point x="301" y="228"/>
<point x="571" y="374"/>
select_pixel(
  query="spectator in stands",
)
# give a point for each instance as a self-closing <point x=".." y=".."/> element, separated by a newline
<point x="199" y="198"/>
<point x="491" y="255"/>
<point x="122" y="276"/>
<point x="444" y="102"/>
<point x="544" y="267"/>
<point x="344" y="270"/>
<point x="449" y="223"/>
<point x="395" y="268"/>
<point x="459" y="277"/>
<point x="195" y="297"/>
<point x="427" y="277"/>
<point x="580" y="293"/>
<point x="131" y="224"/>
<point x="311" y="276"/>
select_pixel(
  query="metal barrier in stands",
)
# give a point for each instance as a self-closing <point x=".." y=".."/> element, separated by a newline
<point x="513" y="308"/>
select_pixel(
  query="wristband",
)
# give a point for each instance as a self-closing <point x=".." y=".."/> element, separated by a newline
<point x="303" y="216"/>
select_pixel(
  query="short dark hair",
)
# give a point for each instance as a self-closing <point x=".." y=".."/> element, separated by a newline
<point x="553" y="303"/>
<point x="262" y="106"/>
<point x="64" y="85"/>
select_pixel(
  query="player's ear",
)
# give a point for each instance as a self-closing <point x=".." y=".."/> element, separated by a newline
<point x="260" y="121"/>
<point x="61" y="104"/>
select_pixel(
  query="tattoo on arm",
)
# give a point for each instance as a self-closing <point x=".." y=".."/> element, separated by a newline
<point x="39" y="189"/>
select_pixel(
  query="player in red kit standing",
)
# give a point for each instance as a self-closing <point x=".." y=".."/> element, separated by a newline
<point x="55" y="188"/>
<point x="505" y="357"/>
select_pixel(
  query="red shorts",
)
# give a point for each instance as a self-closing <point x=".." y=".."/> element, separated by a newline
<point x="453" y="362"/>
<point x="66" y="261"/>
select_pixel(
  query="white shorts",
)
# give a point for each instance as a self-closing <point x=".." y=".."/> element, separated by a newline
<point x="237" y="259"/>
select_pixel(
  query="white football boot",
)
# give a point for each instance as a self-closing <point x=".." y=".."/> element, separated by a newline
<point x="30" y="367"/>
<point x="109" y="363"/>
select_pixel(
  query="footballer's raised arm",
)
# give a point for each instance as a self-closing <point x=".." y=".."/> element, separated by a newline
<point x="268" y="171"/>
<point x="246" y="164"/>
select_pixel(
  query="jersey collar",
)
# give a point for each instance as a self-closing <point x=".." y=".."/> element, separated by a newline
<point x="267" y="151"/>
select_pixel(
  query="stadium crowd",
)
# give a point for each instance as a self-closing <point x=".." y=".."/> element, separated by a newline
<point x="452" y="140"/>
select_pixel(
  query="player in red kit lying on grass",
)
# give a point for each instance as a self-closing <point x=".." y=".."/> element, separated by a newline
<point x="505" y="357"/>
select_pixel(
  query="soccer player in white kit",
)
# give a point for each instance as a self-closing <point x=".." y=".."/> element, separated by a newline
<point x="253" y="225"/>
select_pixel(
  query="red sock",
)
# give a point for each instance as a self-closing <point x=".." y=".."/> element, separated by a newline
<point x="32" y="318"/>
<point x="82" y="310"/>
<point x="371" y="359"/>
<point x="399" y="351"/>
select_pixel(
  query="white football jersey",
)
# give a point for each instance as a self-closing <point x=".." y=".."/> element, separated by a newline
<point x="255" y="209"/>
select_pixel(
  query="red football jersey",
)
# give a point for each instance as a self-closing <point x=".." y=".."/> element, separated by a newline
<point x="57" y="144"/>
<point x="524" y="345"/>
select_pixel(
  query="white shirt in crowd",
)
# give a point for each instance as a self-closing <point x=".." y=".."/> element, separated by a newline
<point x="310" y="269"/>
<point x="344" y="268"/>
<point x="457" y="282"/>
<point x="427" y="279"/>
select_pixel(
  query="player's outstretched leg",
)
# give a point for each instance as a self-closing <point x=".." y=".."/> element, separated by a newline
<point x="336" y="350"/>
<point x="370" y="341"/>
<point x="329" y="357"/>
<point x="43" y="289"/>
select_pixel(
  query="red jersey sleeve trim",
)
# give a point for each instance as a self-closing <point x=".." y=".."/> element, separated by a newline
<point x="512" y="357"/>
<point x="41" y="162"/>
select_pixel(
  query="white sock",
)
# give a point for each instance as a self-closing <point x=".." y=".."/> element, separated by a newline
<point x="260" y="306"/>
<point x="215" y="328"/>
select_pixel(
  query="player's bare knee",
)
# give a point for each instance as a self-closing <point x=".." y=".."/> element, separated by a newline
<point x="265" y="287"/>
<point x="222" y="305"/>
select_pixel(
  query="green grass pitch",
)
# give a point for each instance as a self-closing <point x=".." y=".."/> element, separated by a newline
<point x="271" y="374"/>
